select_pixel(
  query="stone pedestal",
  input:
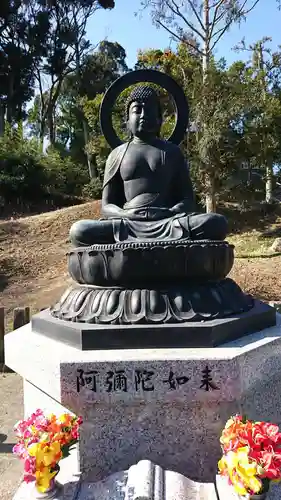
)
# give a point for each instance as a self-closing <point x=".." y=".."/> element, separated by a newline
<point x="166" y="405"/>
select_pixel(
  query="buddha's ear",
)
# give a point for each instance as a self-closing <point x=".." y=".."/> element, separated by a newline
<point x="128" y="129"/>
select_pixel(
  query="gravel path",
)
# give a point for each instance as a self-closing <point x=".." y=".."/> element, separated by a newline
<point x="11" y="410"/>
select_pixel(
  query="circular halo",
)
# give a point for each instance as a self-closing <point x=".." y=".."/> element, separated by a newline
<point x="138" y="76"/>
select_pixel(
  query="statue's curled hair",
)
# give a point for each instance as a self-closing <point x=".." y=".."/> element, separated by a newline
<point x="143" y="93"/>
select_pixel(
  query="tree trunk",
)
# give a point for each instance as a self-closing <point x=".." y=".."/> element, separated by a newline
<point x="42" y="125"/>
<point x="266" y="164"/>
<point x="210" y="197"/>
<point x="10" y="100"/>
<point x="52" y="135"/>
<point x="268" y="183"/>
<point x="91" y="165"/>
<point x="42" y="133"/>
<point x="2" y="120"/>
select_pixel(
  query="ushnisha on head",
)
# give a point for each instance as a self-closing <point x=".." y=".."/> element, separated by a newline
<point x="143" y="112"/>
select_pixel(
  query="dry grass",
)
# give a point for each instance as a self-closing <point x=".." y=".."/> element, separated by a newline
<point x="252" y="244"/>
<point x="33" y="255"/>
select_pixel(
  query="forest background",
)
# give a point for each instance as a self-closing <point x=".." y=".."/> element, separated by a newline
<point x="53" y="79"/>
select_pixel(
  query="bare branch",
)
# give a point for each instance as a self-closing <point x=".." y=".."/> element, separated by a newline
<point x="223" y="30"/>
<point x="178" y="13"/>
<point x="219" y="18"/>
<point x="216" y="16"/>
<point x="196" y="14"/>
<point x="239" y="14"/>
<point x="250" y="9"/>
<point x="179" y="38"/>
<point x="214" y="5"/>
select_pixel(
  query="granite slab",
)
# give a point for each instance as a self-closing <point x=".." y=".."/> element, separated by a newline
<point x="166" y="405"/>
<point x="147" y="481"/>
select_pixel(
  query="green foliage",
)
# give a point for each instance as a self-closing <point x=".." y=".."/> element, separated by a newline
<point x="22" y="175"/>
<point x="28" y="176"/>
<point x="64" y="176"/>
<point x="93" y="189"/>
<point x="238" y="127"/>
<point x="233" y="144"/>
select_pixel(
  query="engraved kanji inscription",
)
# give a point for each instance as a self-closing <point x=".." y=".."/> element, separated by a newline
<point x="207" y="380"/>
<point x="143" y="380"/>
<point x="175" y="382"/>
<point x="86" y="379"/>
<point x="116" y="381"/>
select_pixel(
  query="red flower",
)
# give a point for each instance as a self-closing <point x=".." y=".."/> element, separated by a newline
<point x="263" y="441"/>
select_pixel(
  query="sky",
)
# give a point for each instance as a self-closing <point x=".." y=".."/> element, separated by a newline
<point x="134" y="32"/>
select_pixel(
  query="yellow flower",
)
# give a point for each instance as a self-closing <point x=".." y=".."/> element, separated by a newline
<point x="45" y="454"/>
<point x="65" y="419"/>
<point x="229" y="423"/>
<point x="242" y="473"/>
<point x="44" y="478"/>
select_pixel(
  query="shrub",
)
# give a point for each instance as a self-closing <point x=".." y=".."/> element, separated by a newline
<point x="29" y="176"/>
<point x="22" y="176"/>
<point x="93" y="189"/>
<point x="64" y="175"/>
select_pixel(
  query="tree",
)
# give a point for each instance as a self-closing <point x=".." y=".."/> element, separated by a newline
<point x="22" y="40"/>
<point x="200" y="25"/>
<point x="96" y="74"/>
<point x="97" y="71"/>
<point x="65" y="48"/>
<point x="232" y="97"/>
<point x="265" y="122"/>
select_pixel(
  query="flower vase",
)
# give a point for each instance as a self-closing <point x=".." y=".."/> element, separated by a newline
<point x="261" y="496"/>
<point x="49" y="494"/>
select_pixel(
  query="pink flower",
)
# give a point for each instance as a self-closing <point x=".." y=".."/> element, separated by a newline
<point x="27" y="434"/>
<point x="75" y="434"/>
<point x="41" y="423"/>
<point x="20" y="450"/>
<point x="28" y="478"/>
<point x="20" y="427"/>
<point x="38" y="412"/>
<point x="31" y="441"/>
<point x="30" y="465"/>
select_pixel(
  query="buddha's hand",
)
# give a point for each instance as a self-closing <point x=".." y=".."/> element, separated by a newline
<point x="148" y="213"/>
<point x="182" y="208"/>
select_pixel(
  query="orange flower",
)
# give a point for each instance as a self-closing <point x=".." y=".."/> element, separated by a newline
<point x="263" y="443"/>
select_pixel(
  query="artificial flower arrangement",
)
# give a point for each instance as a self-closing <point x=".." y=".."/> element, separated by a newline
<point x="251" y="455"/>
<point x="42" y="442"/>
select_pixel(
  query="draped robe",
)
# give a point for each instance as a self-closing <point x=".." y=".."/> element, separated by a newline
<point x="172" y="228"/>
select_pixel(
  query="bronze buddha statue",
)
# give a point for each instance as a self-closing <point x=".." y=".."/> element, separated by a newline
<point x="152" y="262"/>
<point x="147" y="192"/>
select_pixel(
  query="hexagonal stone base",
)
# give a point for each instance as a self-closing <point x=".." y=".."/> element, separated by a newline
<point x="209" y="333"/>
<point x="166" y="405"/>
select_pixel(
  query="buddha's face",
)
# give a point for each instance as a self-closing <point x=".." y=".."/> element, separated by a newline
<point x="144" y="118"/>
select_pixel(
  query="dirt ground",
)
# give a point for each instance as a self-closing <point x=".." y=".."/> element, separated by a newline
<point x="33" y="266"/>
<point x="11" y="410"/>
